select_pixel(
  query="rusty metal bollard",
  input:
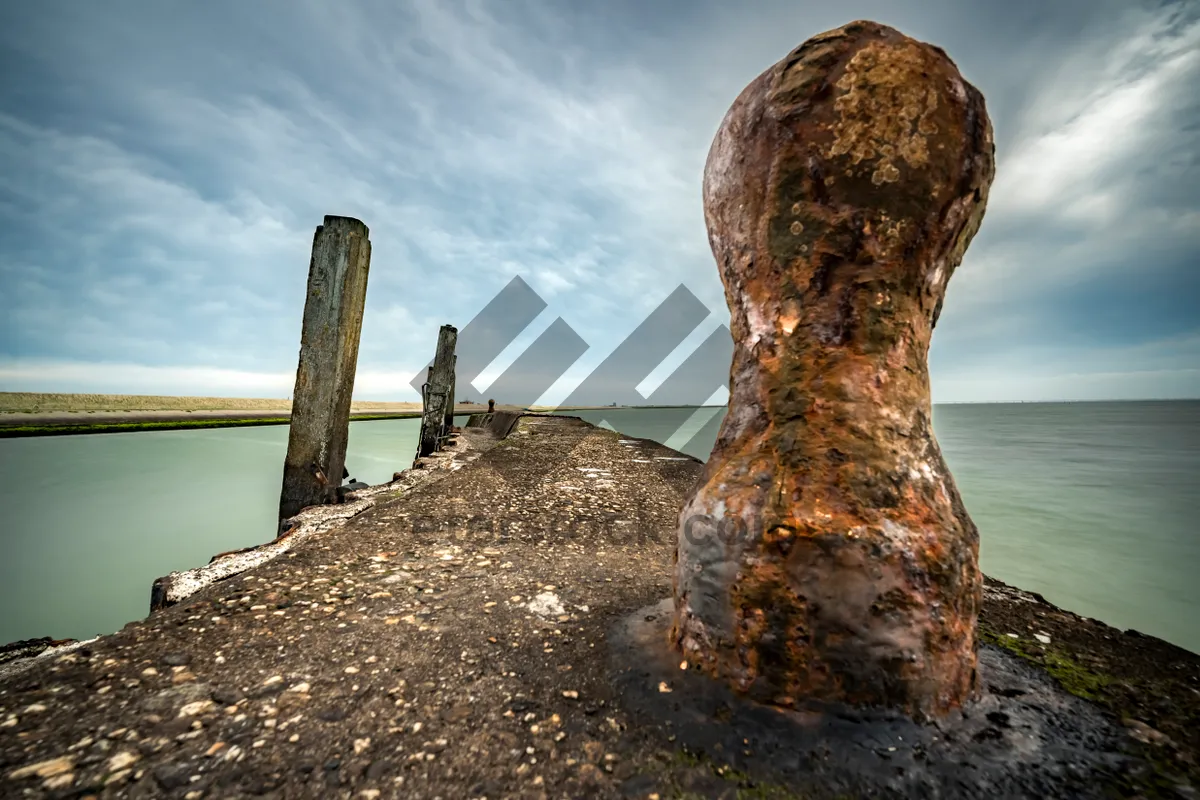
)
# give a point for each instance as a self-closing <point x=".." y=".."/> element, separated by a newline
<point x="826" y="553"/>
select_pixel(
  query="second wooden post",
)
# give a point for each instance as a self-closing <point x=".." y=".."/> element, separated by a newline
<point x="437" y="395"/>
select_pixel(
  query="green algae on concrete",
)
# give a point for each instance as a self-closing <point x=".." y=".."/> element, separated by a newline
<point x="1073" y="676"/>
<point x="1151" y="686"/>
<point x="741" y="783"/>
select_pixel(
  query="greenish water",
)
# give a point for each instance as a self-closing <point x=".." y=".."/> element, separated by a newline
<point x="1092" y="504"/>
<point x="90" y="521"/>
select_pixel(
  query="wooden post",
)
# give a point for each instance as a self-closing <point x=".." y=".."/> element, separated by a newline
<point x="437" y="390"/>
<point x="451" y="399"/>
<point x="333" y="311"/>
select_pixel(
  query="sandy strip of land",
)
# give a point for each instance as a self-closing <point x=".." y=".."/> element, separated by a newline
<point x="59" y="418"/>
<point x="43" y="409"/>
<point x="47" y="402"/>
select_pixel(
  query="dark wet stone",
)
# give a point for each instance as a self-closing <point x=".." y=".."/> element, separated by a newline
<point x="172" y="776"/>
<point x="261" y="784"/>
<point x="168" y="701"/>
<point x="174" y="727"/>
<point x="259" y="692"/>
<point x="1044" y="742"/>
<point x="639" y="786"/>
<point x="26" y="648"/>
<point x="227" y="696"/>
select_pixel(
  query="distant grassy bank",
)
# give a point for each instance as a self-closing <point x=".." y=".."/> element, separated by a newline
<point x="25" y="414"/>
<point x="43" y="402"/>
<point x="22" y="431"/>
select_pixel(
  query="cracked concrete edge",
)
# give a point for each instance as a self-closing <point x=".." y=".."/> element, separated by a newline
<point x="178" y="586"/>
<point x="19" y="665"/>
<point x="997" y="590"/>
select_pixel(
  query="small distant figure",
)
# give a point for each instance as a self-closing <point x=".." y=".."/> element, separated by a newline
<point x="491" y="406"/>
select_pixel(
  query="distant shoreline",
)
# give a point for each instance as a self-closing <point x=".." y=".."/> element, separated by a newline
<point x="27" y="414"/>
<point x="134" y="422"/>
<point x="56" y="402"/>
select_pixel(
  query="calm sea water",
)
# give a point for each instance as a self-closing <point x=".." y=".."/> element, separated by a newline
<point x="89" y="522"/>
<point x="1092" y="504"/>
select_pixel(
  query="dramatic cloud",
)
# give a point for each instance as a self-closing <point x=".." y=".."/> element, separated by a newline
<point x="162" y="170"/>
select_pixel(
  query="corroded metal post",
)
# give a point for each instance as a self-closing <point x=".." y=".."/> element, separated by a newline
<point x="333" y="312"/>
<point x="437" y="396"/>
<point x="826" y="553"/>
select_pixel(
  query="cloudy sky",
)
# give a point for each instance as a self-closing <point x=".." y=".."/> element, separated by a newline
<point x="163" y="166"/>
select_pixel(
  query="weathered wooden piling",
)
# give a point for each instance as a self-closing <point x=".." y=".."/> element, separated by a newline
<point x="437" y="396"/>
<point x="450" y="397"/>
<point x="333" y="312"/>
<point x="826" y="553"/>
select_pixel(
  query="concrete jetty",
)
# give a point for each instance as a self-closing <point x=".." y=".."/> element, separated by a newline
<point x="475" y="633"/>
<point x="531" y="610"/>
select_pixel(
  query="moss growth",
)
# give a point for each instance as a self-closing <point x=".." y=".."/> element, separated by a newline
<point x="1160" y="777"/>
<point x="746" y="788"/>
<point x="1074" y="677"/>
<point x="1160" y="780"/>
<point x="1070" y="674"/>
